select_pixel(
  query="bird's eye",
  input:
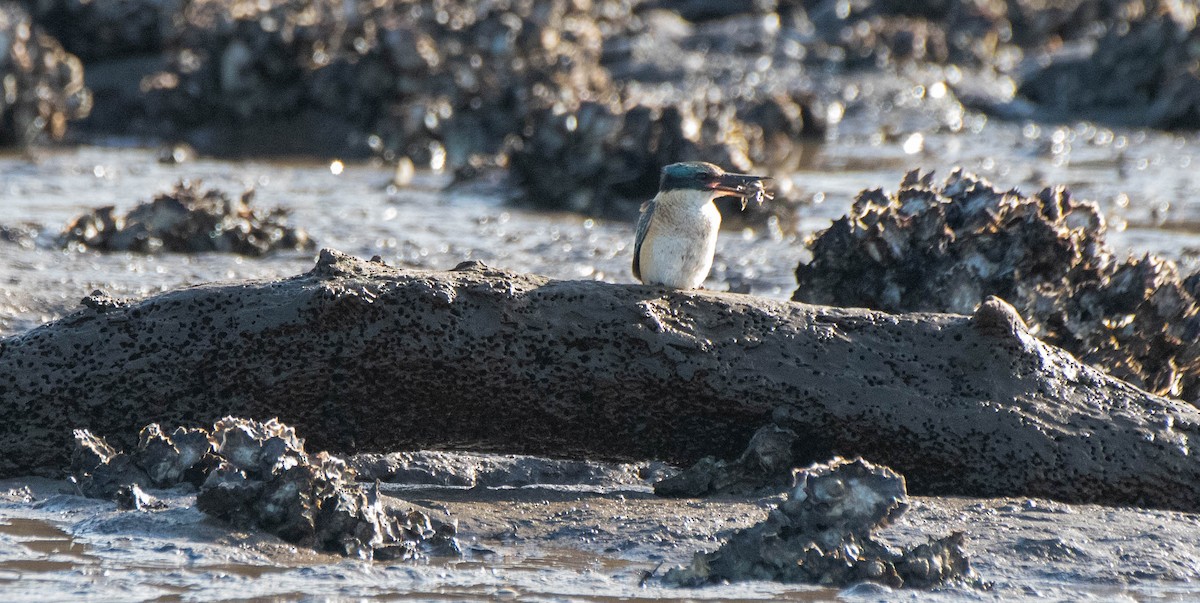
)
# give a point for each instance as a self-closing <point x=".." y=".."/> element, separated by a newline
<point x="701" y="176"/>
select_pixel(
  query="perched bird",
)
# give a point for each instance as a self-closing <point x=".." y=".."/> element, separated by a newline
<point x="677" y="231"/>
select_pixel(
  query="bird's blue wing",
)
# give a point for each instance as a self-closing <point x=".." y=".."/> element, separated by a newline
<point x="643" y="226"/>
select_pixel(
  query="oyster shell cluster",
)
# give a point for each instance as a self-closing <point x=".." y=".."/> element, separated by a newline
<point x="187" y="219"/>
<point x="823" y="534"/>
<point x="434" y="81"/>
<point x="258" y="475"/>
<point x="946" y="246"/>
<point x="43" y="85"/>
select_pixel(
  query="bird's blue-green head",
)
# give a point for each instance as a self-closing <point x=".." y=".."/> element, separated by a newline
<point x="704" y="176"/>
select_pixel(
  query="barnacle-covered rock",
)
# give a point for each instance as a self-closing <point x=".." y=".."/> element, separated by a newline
<point x="883" y="33"/>
<point x="267" y="480"/>
<point x="945" y="247"/>
<point x="42" y="84"/>
<point x="187" y="219"/>
<point x="257" y="475"/>
<point x="822" y="534"/>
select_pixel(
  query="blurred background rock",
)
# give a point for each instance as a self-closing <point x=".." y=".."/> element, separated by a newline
<point x="582" y="100"/>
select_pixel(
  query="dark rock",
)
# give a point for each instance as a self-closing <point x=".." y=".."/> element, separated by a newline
<point x="267" y="480"/>
<point x="43" y="84"/>
<point x="100" y="470"/>
<point x="1144" y="73"/>
<point x="823" y="534"/>
<point x="947" y="247"/>
<point x="993" y="35"/>
<point x="257" y="475"/>
<point x="184" y="455"/>
<point x="188" y="219"/>
<point x="96" y="31"/>
<point x="886" y="33"/>
<point x="22" y="235"/>
<point x="607" y="161"/>
<point x="765" y="465"/>
<point x="433" y="81"/>
<point x="705" y="10"/>
<point x="160" y="460"/>
<point x="1049" y="548"/>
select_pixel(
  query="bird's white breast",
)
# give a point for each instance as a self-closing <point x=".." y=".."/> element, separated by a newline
<point x="681" y="240"/>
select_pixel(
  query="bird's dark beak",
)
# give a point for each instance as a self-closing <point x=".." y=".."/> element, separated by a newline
<point x="741" y="185"/>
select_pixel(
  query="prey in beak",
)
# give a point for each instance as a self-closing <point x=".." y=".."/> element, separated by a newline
<point x="744" y="186"/>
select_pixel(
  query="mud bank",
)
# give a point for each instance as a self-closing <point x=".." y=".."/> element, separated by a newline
<point x="489" y="360"/>
<point x="545" y="540"/>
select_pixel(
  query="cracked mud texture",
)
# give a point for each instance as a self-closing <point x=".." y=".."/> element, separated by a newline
<point x="187" y="219"/>
<point x="43" y="84"/>
<point x="258" y="476"/>
<point x="483" y="359"/>
<point x="946" y="246"/>
<point x="823" y="533"/>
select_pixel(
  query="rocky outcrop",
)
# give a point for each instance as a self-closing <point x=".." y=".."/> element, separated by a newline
<point x="946" y="246"/>
<point x="823" y="534"/>
<point x="257" y="475"/>
<point x="43" y="85"/>
<point x="363" y="357"/>
<point x="1143" y="74"/>
<point x="187" y="219"/>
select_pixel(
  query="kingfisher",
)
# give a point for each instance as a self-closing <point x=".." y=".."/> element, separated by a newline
<point x="677" y="230"/>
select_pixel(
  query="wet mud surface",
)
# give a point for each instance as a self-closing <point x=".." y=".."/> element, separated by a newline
<point x="545" y="541"/>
